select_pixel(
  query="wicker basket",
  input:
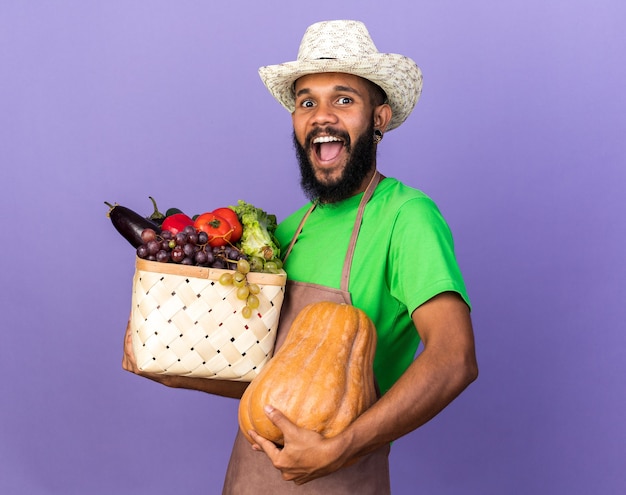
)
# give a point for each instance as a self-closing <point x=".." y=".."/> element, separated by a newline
<point x="184" y="322"/>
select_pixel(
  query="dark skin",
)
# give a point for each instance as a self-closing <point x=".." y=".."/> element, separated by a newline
<point x="445" y="367"/>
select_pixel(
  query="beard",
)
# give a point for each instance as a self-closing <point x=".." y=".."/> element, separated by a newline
<point x="361" y="160"/>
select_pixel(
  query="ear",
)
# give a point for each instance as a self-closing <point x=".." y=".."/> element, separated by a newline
<point x="382" y="116"/>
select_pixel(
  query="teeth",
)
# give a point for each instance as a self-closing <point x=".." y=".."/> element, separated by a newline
<point x="325" y="139"/>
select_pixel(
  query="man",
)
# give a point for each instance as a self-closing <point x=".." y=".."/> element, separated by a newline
<point x="367" y="240"/>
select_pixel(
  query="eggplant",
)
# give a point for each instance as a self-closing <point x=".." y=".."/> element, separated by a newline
<point x="129" y="223"/>
<point x="157" y="217"/>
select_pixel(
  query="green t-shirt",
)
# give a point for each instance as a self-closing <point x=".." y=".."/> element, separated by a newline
<point x="403" y="257"/>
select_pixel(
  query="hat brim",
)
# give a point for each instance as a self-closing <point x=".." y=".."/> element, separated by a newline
<point x="398" y="76"/>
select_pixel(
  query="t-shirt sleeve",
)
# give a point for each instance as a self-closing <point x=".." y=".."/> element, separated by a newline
<point x="421" y="260"/>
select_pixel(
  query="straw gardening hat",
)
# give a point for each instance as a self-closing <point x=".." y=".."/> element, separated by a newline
<point x="346" y="46"/>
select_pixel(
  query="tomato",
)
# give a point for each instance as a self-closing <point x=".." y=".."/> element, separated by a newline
<point x="176" y="223"/>
<point x="232" y="218"/>
<point x="217" y="228"/>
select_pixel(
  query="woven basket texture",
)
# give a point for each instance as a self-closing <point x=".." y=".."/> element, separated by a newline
<point x="184" y="322"/>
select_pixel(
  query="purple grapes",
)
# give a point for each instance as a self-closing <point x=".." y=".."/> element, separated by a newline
<point x="188" y="247"/>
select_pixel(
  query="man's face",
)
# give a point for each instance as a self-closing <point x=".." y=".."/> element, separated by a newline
<point x="333" y="134"/>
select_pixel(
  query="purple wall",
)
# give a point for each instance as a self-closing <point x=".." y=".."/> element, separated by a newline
<point x="519" y="137"/>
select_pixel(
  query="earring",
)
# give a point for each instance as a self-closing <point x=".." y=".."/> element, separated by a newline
<point x="378" y="136"/>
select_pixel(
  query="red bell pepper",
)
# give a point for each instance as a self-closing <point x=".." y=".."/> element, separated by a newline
<point x="176" y="223"/>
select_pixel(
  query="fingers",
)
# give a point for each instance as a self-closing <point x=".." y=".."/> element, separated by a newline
<point x="262" y="443"/>
<point x="128" y="357"/>
<point x="280" y="420"/>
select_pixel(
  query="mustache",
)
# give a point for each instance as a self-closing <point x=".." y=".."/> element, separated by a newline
<point x="327" y="131"/>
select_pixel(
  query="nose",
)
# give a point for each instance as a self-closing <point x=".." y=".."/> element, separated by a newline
<point x="324" y="114"/>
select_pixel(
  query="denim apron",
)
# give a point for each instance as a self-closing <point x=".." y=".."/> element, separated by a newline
<point x="252" y="473"/>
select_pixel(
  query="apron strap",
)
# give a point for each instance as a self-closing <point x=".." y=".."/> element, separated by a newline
<point x="347" y="265"/>
<point x="298" y="230"/>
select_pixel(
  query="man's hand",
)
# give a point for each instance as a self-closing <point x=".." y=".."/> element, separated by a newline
<point x="306" y="455"/>
<point x="224" y="388"/>
<point x="129" y="363"/>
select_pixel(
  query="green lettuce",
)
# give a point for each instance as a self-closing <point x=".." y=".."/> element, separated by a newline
<point x="258" y="231"/>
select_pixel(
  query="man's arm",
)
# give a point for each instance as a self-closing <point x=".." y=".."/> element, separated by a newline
<point x="224" y="388"/>
<point x="446" y="366"/>
<point x="441" y="372"/>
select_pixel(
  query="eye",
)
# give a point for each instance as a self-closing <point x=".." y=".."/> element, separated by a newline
<point x="344" y="100"/>
<point x="307" y="104"/>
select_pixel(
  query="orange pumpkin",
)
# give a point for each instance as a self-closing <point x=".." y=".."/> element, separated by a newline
<point x="321" y="378"/>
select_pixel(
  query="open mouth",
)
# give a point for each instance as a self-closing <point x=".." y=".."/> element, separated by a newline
<point x="327" y="148"/>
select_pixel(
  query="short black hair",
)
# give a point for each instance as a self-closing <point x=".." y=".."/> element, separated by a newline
<point x="377" y="94"/>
